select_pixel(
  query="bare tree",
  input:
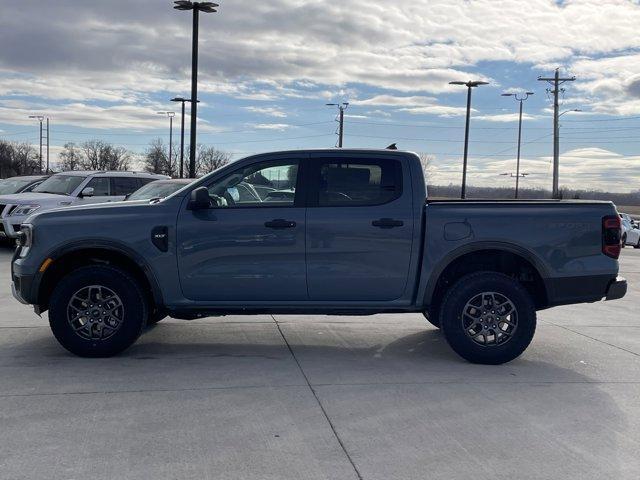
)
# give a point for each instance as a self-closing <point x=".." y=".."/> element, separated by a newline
<point x="209" y="159"/>
<point x="155" y="158"/>
<point x="99" y="155"/>
<point x="18" y="159"/>
<point x="70" y="157"/>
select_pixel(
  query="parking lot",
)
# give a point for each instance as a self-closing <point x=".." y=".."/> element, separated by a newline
<point x="319" y="397"/>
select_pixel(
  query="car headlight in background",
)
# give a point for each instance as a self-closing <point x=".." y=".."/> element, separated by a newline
<point x="22" y="210"/>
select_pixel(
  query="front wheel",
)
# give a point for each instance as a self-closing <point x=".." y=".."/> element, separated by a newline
<point x="488" y="318"/>
<point x="97" y="311"/>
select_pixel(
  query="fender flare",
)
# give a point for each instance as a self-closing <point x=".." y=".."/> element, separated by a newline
<point x="455" y="254"/>
<point x="113" y="246"/>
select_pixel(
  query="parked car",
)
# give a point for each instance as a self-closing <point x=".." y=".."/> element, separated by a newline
<point x="69" y="188"/>
<point x="159" y="189"/>
<point x="630" y="231"/>
<point x="356" y="236"/>
<point x="20" y="184"/>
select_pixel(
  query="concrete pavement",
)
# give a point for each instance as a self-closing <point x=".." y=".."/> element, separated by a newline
<point x="318" y="397"/>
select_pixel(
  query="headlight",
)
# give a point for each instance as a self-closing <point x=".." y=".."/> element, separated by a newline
<point x="24" y="240"/>
<point x="25" y="210"/>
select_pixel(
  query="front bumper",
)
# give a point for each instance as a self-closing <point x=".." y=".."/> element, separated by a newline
<point x="23" y="283"/>
<point x="9" y="227"/>
<point x="616" y="289"/>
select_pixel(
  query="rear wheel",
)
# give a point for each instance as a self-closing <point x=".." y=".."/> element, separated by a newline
<point x="488" y="318"/>
<point x="637" y="245"/>
<point x="97" y="311"/>
<point x="624" y="240"/>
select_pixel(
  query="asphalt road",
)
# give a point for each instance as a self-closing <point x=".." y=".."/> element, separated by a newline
<point x="317" y="397"/>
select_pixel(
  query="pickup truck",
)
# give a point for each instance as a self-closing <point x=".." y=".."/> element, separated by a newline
<point x="338" y="232"/>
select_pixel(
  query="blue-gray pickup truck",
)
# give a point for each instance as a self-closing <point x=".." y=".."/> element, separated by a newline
<point x="340" y="232"/>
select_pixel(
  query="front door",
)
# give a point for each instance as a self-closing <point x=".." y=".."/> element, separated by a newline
<point x="250" y="245"/>
<point x="359" y="229"/>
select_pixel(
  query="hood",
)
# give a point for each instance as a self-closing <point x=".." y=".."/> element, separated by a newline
<point x="48" y="200"/>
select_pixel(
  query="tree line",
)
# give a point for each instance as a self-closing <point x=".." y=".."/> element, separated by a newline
<point x="21" y="158"/>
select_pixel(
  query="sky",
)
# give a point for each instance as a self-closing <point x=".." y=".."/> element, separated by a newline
<point x="103" y="69"/>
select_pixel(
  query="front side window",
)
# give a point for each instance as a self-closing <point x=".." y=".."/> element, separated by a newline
<point x="60" y="184"/>
<point x="359" y="183"/>
<point x="100" y="186"/>
<point x="12" y="185"/>
<point x="267" y="184"/>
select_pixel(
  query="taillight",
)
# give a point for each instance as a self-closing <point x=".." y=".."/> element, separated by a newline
<point x="611" y="236"/>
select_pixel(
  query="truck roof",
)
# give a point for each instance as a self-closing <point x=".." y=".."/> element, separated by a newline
<point x="344" y="151"/>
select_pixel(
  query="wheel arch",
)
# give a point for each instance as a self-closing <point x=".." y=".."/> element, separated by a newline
<point x="506" y="258"/>
<point x="95" y="252"/>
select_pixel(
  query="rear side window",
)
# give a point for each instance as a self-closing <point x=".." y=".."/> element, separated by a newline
<point x="100" y="186"/>
<point x="359" y="183"/>
<point x="124" y="185"/>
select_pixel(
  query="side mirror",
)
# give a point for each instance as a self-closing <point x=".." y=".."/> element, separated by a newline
<point x="126" y="197"/>
<point x="200" y="199"/>
<point x="87" y="192"/>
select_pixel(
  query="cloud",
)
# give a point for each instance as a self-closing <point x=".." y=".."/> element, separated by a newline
<point x="271" y="126"/>
<point x="592" y="168"/>
<point x="269" y="111"/>
<point x="505" y="117"/>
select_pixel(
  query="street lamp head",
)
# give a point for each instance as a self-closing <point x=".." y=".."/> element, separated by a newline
<point x="331" y="104"/>
<point x="470" y="83"/>
<point x="178" y="99"/>
<point x="508" y="94"/>
<point x="207" y="7"/>
<point x="529" y="93"/>
<point x="39" y="117"/>
<point x="171" y="114"/>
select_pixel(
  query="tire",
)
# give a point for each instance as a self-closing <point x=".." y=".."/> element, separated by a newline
<point x="432" y="319"/>
<point x="624" y="240"/>
<point x="156" y="316"/>
<point x="637" y="245"/>
<point x="473" y="335"/>
<point x="89" y="333"/>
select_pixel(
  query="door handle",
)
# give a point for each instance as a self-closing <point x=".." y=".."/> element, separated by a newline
<point x="279" y="223"/>
<point x="387" y="223"/>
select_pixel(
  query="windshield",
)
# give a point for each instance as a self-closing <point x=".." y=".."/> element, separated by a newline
<point x="13" y="185"/>
<point x="155" y="190"/>
<point x="60" y="184"/>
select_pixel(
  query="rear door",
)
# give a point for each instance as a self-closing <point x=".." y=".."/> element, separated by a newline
<point x="359" y="228"/>
<point x="250" y="246"/>
<point x="123" y="186"/>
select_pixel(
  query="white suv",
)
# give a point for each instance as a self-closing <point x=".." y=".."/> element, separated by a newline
<point x="69" y="188"/>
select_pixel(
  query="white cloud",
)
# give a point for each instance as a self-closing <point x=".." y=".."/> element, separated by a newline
<point x="271" y="126"/>
<point x="269" y="111"/>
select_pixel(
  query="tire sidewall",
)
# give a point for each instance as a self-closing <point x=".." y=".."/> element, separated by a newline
<point x="117" y="280"/>
<point x="463" y="291"/>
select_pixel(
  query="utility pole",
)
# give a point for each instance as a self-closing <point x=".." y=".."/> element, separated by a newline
<point x="183" y="101"/>
<point x="341" y="108"/>
<point x="170" y="115"/>
<point x="40" y="118"/>
<point x="47" y="145"/>
<point x="469" y="85"/>
<point x="520" y="100"/>
<point x="556" y="81"/>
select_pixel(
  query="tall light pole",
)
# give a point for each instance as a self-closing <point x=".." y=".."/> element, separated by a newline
<point x="519" y="100"/>
<point x="183" y="101"/>
<point x="197" y="7"/>
<point x="170" y="115"/>
<point x="341" y="108"/>
<point x="469" y="85"/>
<point x="40" y="118"/>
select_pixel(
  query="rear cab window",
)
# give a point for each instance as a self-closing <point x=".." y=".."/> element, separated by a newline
<point x="358" y="182"/>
